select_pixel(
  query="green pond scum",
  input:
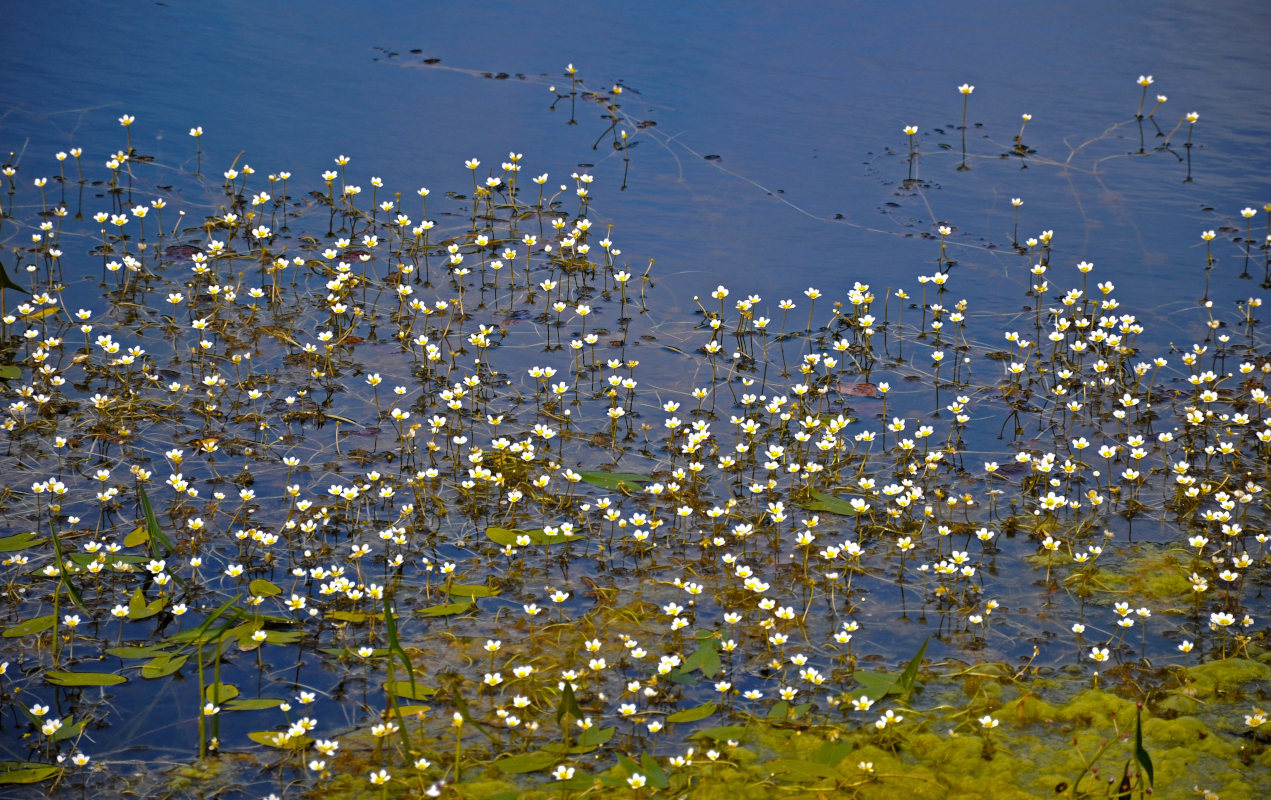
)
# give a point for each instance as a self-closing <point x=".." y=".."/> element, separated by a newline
<point x="324" y="486"/>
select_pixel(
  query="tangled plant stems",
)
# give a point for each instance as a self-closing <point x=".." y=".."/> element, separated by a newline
<point x="424" y="538"/>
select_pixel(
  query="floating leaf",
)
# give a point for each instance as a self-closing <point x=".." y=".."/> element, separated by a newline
<point x="652" y="771"/>
<point x="84" y="678"/>
<point x="254" y="704"/>
<point x="614" y="481"/>
<point x="15" y="772"/>
<point x="693" y="714"/>
<point x="137" y="537"/>
<point x="446" y="609"/>
<point x="530" y="762"/>
<point x="404" y="689"/>
<point x="829" y="504"/>
<point x="11" y="372"/>
<point x="875" y="685"/>
<point x="794" y="769"/>
<point x="592" y="738"/>
<point x="162" y="666"/>
<point x="263" y="588"/>
<point x="723" y="733"/>
<point x="509" y="537"/>
<point x="30" y="626"/>
<point x="148" y="651"/>
<point x="280" y="740"/>
<point x="69" y="730"/>
<point x="19" y="541"/>
<point x="138" y="608"/>
<point x="705" y="658"/>
<point x="220" y="693"/>
<point x="472" y="590"/>
<point x="832" y="753"/>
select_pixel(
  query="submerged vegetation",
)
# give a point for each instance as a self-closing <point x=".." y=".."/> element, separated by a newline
<point x="366" y="490"/>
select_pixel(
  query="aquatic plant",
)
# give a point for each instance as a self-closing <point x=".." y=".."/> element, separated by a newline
<point x="375" y="530"/>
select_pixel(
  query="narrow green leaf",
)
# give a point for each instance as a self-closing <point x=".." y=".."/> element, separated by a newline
<point x="254" y="704"/>
<point x="23" y="772"/>
<point x="162" y="666"/>
<point x="652" y="771"/>
<point x="84" y="678"/>
<point x="693" y="714"/>
<point x="530" y="762"/>
<point x="19" y="541"/>
<point x="910" y="675"/>
<point x="446" y="609"/>
<point x="874" y="685"/>
<point x="723" y="733"/>
<point x="263" y="588"/>
<point x="408" y="691"/>
<point x="149" y="651"/>
<point x="472" y="590"/>
<point x="793" y="769"/>
<point x="277" y="739"/>
<point x="30" y="626"/>
<point x="1140" y="752"/>
<point x="152" y="522"/>
<point x="614" y="481"/>
<point x="829" y="504"/>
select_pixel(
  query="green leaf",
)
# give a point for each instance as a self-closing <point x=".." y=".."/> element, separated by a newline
<point x="254" y="704"/>
<point x="162" y="666"/>
<point x="614" y="481"/>
<point x="780" y="710"/>
<point x="592" y="738"/>
<point x="152" y="522"/>
<point x="568" y="704"/>
<point x="874" y="685"/>
<point x="1140" y="753"/>
<point x="723" y="733"/>
<point x="652" y="771"/>
<point x="68" y="730"/>
<point x="910" y="675"/>
<point x="793" y="769"/>
<point x="19" y="541"/>
<point x="136" y="537"/>
<point x="829" y="504"/>
<point x="10" y="372"/>
<point x="446" y="609"/>
<point x="508" y="537"/>
<point x="348" y="616"/>
<point x="15" y="772"/>
<point x="138" y="608"/>
<point x="149" y="651"/>
<point x="406" y="690"/>
<point x="270" y="739"/>
<point x="832" y="753"/>
<point x="84" y="678"/>
<point x="263" y="588"/>
<point x="529" y="762"/>
<point x="219" y="693"/>
<point x="693" y="714"/>
<point x="705" y="658"/>
<point x="7" y="283"/>
<point x="30" y="626"/>
<point x="473" y="590"/>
